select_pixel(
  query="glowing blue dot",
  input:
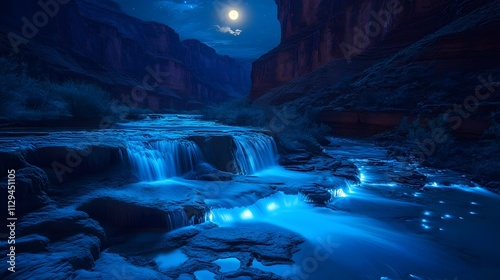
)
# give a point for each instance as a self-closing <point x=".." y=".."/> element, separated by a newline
<point x="424" y="221"/>
<point x="246" y="215"/>
<point x="427" y="213"/>
<point x="472" y="213"/>
<point x="473" y="203"/>
<point x="441" y="229"/>
<point x="442" y="202"/>
<point x="426" y="226"/>
<point x="272" y="206"/>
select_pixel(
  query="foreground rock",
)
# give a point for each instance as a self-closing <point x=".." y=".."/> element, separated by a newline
<point x="316" y="194"/>
<point x="31" y="184"/>
<point x="205" y="244"/>
<point x="60" y="259"/>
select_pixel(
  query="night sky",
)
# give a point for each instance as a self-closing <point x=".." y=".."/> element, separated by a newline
<point x="255" y="32"/>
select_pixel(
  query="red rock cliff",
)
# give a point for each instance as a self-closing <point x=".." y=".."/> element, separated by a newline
<point x="317" y="31"/>
<point x="95" y="41"/>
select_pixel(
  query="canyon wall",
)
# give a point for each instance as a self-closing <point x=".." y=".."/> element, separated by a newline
<point x="358" y="33"/>
<point x="95" y="41"/>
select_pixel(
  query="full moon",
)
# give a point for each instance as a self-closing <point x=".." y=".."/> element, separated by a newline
<point x="234" y="15"/>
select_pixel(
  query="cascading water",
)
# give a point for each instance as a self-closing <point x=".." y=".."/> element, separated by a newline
<point x="254" y="152"/>
<point x="160" y="160"/>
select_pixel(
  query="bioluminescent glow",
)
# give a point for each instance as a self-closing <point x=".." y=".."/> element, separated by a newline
<point x="246" y="215"/>
<point x="262" y="209"/>
<point x="272" y="206"/>
<point x="337" y="193"/>
<point x="228" y="265"/>
<point x="361" y="177"/>
<point x="171" y="259"/>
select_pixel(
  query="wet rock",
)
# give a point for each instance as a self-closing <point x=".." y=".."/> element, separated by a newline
<point x="32" y="243"/>
<point x="346" y="170"/>
<point x="493" y="186"/>
<point x="113" y="266"/>
<point x="11" y="160"/>
<point x="62" y="259"/>
<point x="267" y="243"/>
<point x="205" y="172"/>
<point x="218" y="150"/>
<point x="411" y="179"/>
<point x="71" y="162"/>
<point x="129" y="214"/>
<point x="252" y="274"/>
<point x="57" y="223"/>
<point x="31" y="183"/>
<point x="296" y="158"/>
<point x="316" y="194"/>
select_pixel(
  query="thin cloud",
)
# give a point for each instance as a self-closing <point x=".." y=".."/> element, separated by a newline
<point x="227" y="29"/>
<point x="178" y="6"/>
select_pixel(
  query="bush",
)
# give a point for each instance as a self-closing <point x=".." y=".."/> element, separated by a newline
<point x="301" y="133"/>
<point x="84" y="101"/>
<point x="237" y="112"/>
<point x="27" y="99"/>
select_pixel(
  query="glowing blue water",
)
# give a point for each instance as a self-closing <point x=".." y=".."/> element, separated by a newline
<point x="378" y="230"/>
<point x="254" y="152"/>
<point x="160" y="160"/>
<point x="227" y="265"/>
<point x="204" y="275"/>
<point x="171" y="259"/>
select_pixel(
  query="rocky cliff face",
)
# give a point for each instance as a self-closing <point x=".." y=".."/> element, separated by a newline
<point x="94" y="41"/>
<point x="356" y="34"/>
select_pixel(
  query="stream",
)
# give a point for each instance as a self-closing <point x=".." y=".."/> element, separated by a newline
<point x="227" y="183"/>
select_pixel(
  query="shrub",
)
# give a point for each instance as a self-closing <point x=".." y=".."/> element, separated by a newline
<point x="27" y="99"/>
<point x="85" y="101"/>
<point x="237" y="112"/>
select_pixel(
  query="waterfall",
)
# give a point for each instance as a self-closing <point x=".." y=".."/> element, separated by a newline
<point x="254" y="152"/>
<point x="160" y="160"/>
